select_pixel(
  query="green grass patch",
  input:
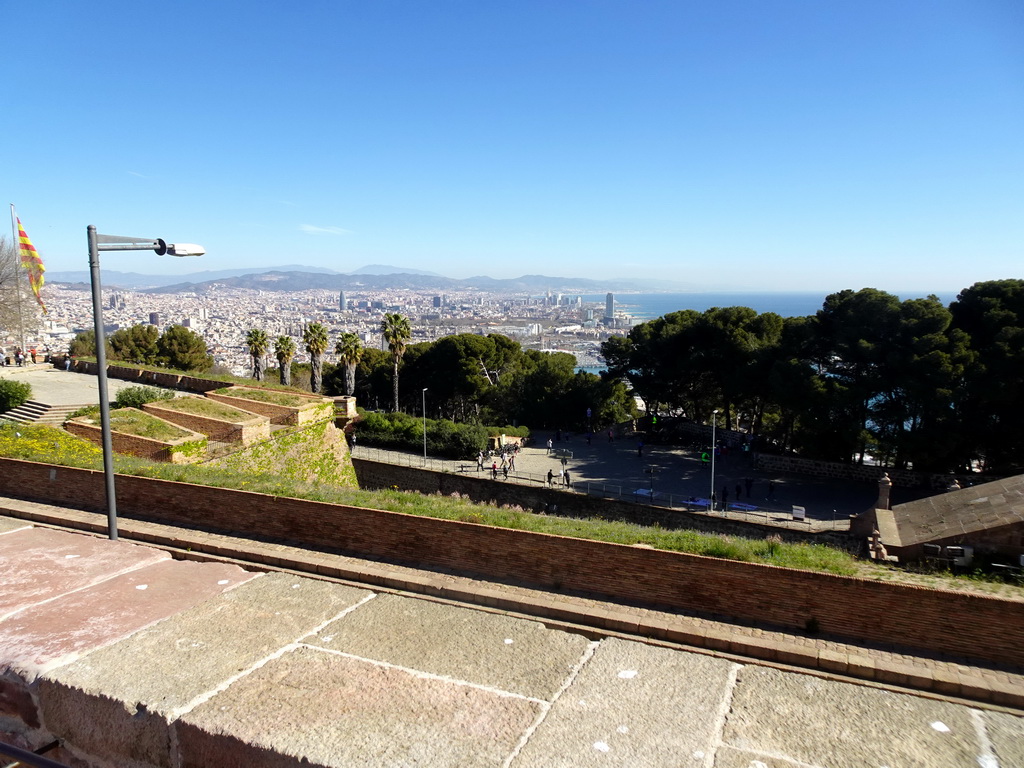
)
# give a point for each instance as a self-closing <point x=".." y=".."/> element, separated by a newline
<point x="129" y="421"/>
<point x="204" y="406"/>
<point x="275" y="397"/>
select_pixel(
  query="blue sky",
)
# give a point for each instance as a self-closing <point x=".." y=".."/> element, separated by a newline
<point x="747" y="145"/>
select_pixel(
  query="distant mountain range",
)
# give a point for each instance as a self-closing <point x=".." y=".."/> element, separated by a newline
<point x="371" y="277"/>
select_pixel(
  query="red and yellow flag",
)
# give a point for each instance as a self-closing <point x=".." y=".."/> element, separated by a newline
<point x="31" y="261"/>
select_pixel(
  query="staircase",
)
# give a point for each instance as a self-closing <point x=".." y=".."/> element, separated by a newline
<point x="33" y="412"/>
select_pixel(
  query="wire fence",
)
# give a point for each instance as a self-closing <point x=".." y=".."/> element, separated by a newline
<point x="777" y="516"/>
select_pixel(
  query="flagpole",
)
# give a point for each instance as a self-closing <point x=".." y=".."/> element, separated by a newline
<point x="17" y="287"/>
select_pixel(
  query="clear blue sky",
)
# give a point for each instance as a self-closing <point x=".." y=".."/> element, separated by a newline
<point x="748" y="145"/>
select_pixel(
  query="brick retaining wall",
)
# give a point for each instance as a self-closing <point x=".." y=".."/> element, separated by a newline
<point x="145" y="447"/>
<point x="316" y="409"/>
<point x="252" y="430"/>
<point x="373" y="475"/>
<point x="931" y="620"/>
<point x="144" y="377"/>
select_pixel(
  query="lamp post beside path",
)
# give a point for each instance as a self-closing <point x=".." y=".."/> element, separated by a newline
<point x="99" y="243"/>
<point x="714" y="419"/>
<point x="425" y="426"/>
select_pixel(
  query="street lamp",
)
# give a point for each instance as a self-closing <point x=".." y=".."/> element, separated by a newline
<point x="711" y="498"/>
<point x="424" y="426"/>
<point x="99" y="243"/>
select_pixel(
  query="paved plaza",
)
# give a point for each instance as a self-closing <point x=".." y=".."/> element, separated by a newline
<point x="55" y="386"/>
<point x="676" y="475"/>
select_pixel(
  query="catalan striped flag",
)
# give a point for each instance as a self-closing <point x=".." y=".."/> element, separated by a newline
<point x="31" y="261"/>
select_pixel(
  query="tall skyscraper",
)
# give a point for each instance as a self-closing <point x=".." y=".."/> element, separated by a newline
<point x="343" y="302"/>
<point x="609" y="307"/>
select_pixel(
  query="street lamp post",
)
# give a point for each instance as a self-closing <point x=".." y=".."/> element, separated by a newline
<point x="714" y="418"/>
<point x="425" y="426"/>
<point x="99" y="243"/>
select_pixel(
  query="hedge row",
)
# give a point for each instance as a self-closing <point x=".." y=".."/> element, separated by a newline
<point x="399" y="431"/>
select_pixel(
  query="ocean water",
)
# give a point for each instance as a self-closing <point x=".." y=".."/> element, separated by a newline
<point x="647" y="306"/>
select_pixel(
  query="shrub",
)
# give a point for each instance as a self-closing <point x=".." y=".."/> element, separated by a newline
<point x="135" y="397"/>
<point x="13" y="394"/>
<point x="402" y="432"/>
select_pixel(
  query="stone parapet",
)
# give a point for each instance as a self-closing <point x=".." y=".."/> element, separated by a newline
<point x="121" y="656"/>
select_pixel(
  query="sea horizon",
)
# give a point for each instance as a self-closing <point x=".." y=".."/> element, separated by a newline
<point x="648" y="306"/>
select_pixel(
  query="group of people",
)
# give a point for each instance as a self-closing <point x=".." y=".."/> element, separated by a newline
<point x="563" y="478"/>
<point x="747" y="485"/>
<point x="17" y="356"/>
<point x="508" y="461"/>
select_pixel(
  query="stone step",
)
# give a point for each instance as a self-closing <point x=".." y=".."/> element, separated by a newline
<point x="33" y="412"/>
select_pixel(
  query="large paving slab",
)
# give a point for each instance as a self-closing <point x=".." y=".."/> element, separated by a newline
<point x="8" y="524"/>
<point x="511" y="654"/>
<point x="841" y="725"/>
<point x="334" y="710"/>
<point x="60" y="630"/>
<point x="1006" y="734"/>
<point x="38" y="564"/>
<point x="634" y="705"/>
<point x="118" y="702"/>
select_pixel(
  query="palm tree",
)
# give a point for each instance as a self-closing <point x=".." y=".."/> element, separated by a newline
<point x="350" y="351"/>
<point x="314" y="336"/>
<point x="396" y="332"/>
<point x="256" y="340"/>
<point x="284" y="351"/>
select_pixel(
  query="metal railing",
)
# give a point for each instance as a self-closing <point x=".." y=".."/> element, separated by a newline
<point x="639" y="494"/>
<point x="24" y="757"/>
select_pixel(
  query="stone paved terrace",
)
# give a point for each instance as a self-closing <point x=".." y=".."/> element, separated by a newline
<point x="240" y="653"/>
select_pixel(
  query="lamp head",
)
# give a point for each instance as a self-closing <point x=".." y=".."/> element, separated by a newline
<point x="178" y="249"/>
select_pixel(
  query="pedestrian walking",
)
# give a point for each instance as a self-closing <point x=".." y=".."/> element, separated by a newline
<point x="504" y="472"/>
<point x="568" y="483"/>
<point x="725" y="498"/>
<point x="550" y="445"/>
<point x="494" y="470"/>
<point x="480" y="461"/>
<point x="551" y="477"/>
<point x="512" y="462"/>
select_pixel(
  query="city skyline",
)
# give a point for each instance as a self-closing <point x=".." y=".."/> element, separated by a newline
<point x="742" y="146"/>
